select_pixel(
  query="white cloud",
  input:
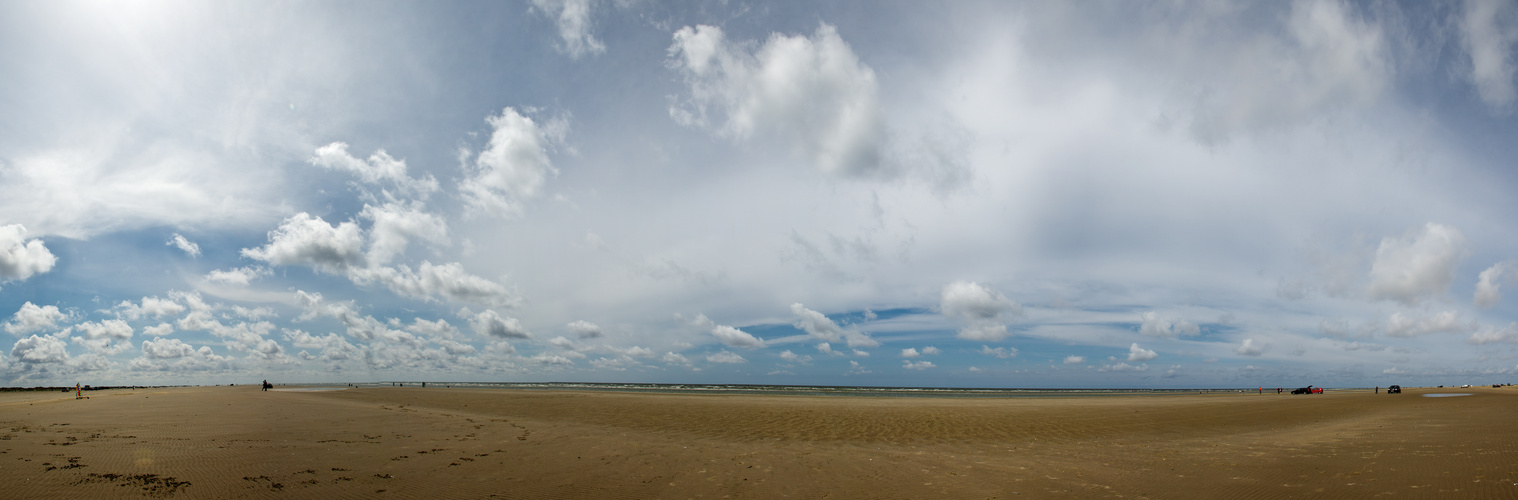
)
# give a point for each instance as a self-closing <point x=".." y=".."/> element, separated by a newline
<point x="379" y="167"/>
<point x="1136" y="353"/>
<point x="1402" y="325"/>
<point x="31" y="318"/>
<point x="1488" y="30"/>
<point x="395" y="225"/>
<point x="237" y="275"/>
<point x="304" y="239"/>
<point x="930" y="351"/>
<point x="585" y="329"/>
<point x="1123" y="367"/>
<point x="166" y="349"/>
<point x="811" y="92"/>
<point x="736" y="338"/>
<point x="910" y="352"/>
<point x="448" y="280"/>
<point x="158" y="330"/>
<point x="816" y="324"/>
<point x="563" y="343"/>
<point x="1000" y="352"/>
<point x="672" y="358"/>
<point x="983" y="310"/>
<point x="439" y="328"/>
<point x="1417" y="265"/>
<point x="149" y="307"/>
<point x="1074" y="360"/>
<point x="488" y="324"/>
<point x="792" y="357"/>
<point x="1490" y="335"/>
<point x="1489" y="287"/>
<point x="917" y="365"/>
<point x="1155" y="326"/>
<point x="826" y="348"/>
<point x="862" y="354"/>
<point x="107" y="329"/>
<point x="573" y="19"/>
<point x="40" y="350"/>
<point x="857" y="369"/>
<point x="511" y="170"/>
<point x="1250" y="348"/>
<point x="21" y="258"/>
<point x="725" y="357"/>
<point x="184" y="244"/>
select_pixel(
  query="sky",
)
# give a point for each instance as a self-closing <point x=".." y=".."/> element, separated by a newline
<point x="979" y="194"/>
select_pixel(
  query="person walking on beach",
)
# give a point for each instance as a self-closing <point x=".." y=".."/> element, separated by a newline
<point x="266" y="385"/>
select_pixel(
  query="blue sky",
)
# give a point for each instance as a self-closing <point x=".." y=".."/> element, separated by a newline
<point x="999" y="194"/>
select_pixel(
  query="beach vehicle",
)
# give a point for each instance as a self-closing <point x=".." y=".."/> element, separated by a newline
<point x="1306" y="390"/>
<point x="1396" y="389"/>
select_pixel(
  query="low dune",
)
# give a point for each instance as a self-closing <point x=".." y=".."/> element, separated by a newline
<point x="241" y="442"/>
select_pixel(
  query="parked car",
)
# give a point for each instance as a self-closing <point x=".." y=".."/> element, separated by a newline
<point x="1306" y="390"/>
<point x="1396" y="389"/>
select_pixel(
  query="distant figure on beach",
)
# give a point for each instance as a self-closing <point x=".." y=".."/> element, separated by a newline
<point x="267" y="385"/>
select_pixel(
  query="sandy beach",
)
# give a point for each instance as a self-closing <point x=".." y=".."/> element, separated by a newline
<point x="240" y="442"/>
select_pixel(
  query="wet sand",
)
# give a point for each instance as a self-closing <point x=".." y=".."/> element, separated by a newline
<point x="240" y="442"/>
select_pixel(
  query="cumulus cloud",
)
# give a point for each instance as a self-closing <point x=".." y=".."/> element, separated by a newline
<point x="304" y="239"/>
<point x="395" y="225"/>
<point x="158" y="330"/>
<point x="1155" y="326"/>
<point x="1402" y="325"/>
<point x="917" y="365"/>
<point x="736" y="338"/>
<point x="489" y="324"/>
<point x="816" y="324"/>
<point x="380" y="166"/>
<point x="149" y="307"/>
<point x="31" y="318"/>
<point x="811" y="92"/>
<point x="1000" y="352"/>
<point x="511" y="170"/>
<point x="184" y="244"/>
<point x="983" y="311"/>
<point x="573" y="19"/>
<point x="1123" y="367"/>
<point x="429" y="280"/>
<point x="237" y="275"/>
<point x="1491" y="335"/>
<point x="1488" y="31"/>
<point x="166" y="348"/>
<point x="857" y="369"/>
<point x="1136" y="353"/>
<point x="1417" y="265"/>
<point x="107" y="329"/>
<point x="35" y="350"/>
<point x="725" y="357"/>
<point x="1489" y="286"/>
<point x="792" y="357"/>
<point x="585" y="329"/>
<point x="21" y="258"/>
<point x="672" y="358"/>
<point x="1250" y="348"/>
<point x="910" y="352"/>
<point x="826" y="348"/>
<point x="1074" y="360"/>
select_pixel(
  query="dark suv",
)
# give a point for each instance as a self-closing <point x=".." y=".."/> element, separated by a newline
<point x="1396" y="389"/>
